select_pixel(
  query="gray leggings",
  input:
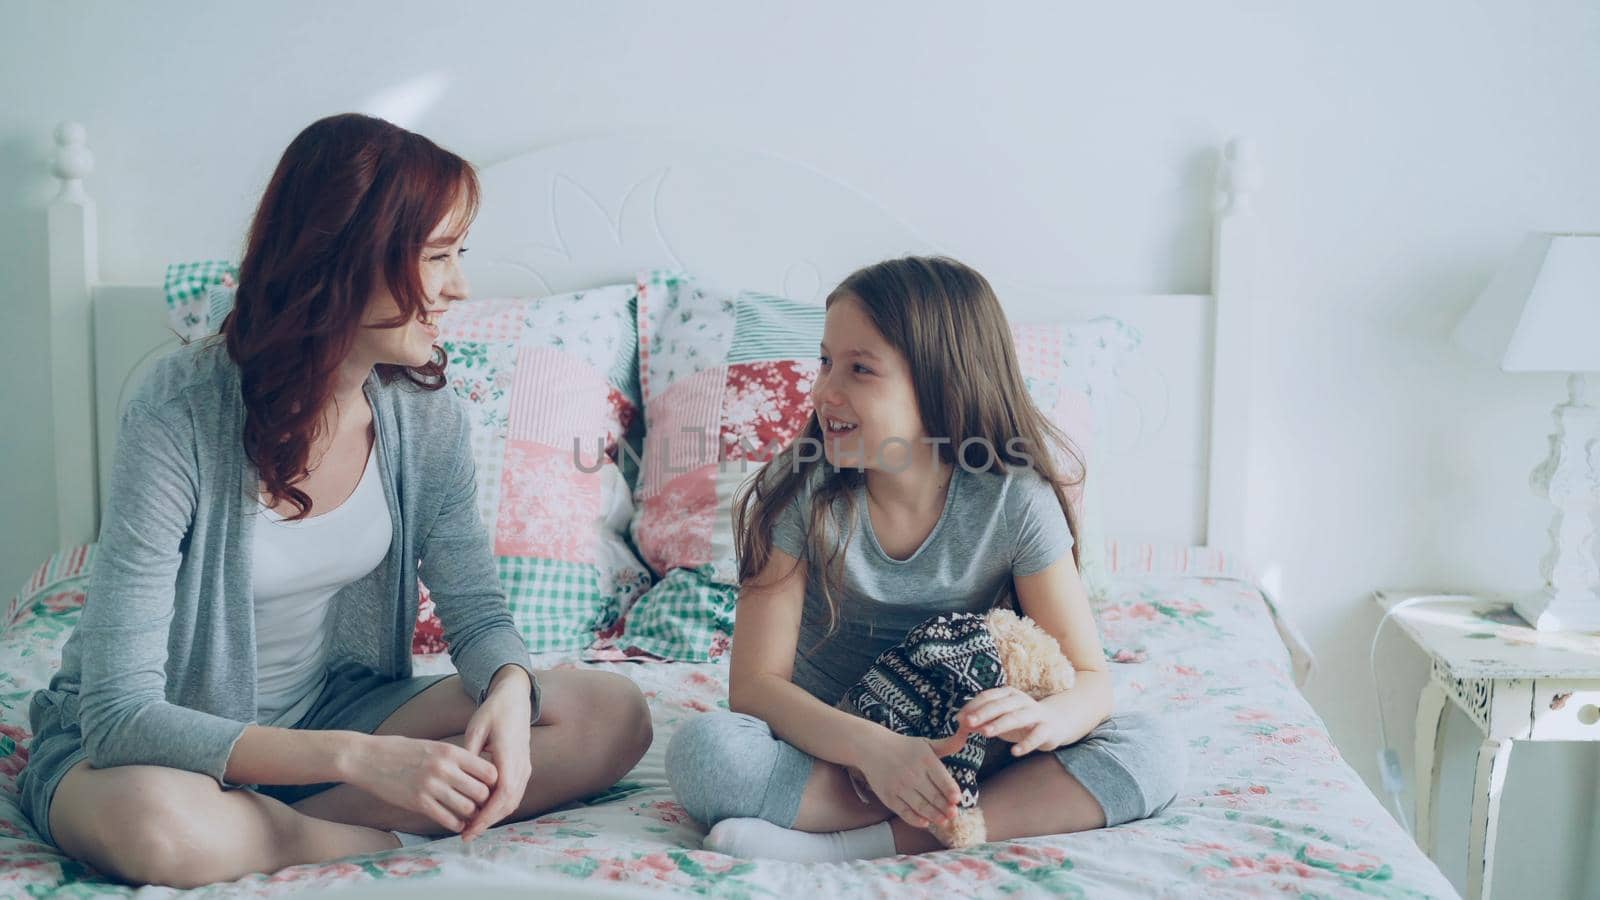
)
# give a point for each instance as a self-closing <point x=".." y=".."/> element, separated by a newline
<point x="728" y="765"/>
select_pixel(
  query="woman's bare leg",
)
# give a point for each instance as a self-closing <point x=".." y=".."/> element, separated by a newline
<point x="155" y="825"/>
<point x="593" y="728"/>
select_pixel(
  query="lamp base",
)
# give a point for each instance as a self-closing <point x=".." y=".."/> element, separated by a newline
<point x="1547" y="612"/>
<point x="1570" y="477"/>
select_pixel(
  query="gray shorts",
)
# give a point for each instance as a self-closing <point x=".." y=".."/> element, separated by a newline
<point x="724" y="765"/>
<point x="354" y="698"/>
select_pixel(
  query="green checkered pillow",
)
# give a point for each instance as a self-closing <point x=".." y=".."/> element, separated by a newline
<point x="688" y="617"/>
<point x="199" y="295"/>
<point x="553" y="602"/>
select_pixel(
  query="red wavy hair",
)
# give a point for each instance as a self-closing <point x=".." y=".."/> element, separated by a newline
<point x="349" y="210"/>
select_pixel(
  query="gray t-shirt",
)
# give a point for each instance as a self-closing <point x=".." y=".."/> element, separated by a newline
<point x="994" y="527"/>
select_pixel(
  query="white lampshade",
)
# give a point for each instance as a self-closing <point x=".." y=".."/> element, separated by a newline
<point x="1542" y="312"/>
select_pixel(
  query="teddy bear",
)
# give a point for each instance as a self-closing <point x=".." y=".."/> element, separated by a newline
<point x="919" y="686"/>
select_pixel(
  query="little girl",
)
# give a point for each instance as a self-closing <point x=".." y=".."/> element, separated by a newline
<point x="927" y="482"/>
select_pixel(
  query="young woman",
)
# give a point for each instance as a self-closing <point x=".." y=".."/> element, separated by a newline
<point x="935" y="491"/>
<point x="238" y="696"/>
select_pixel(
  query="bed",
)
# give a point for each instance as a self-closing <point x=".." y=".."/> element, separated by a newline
<point x="1269" y="806"/>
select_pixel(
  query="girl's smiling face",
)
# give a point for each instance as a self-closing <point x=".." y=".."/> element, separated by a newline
<point x="864" y="398"/>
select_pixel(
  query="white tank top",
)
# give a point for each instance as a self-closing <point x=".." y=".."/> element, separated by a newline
<point x="296" y="570"/>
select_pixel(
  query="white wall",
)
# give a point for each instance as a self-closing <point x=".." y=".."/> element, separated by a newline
<point x="1406" y="146"/>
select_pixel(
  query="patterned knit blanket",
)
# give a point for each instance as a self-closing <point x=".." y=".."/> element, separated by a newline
<point x="919" y="686"/>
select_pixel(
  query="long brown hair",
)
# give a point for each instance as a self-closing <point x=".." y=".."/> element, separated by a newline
<point x="349" y="209"/>
<point x="946" y="321"/>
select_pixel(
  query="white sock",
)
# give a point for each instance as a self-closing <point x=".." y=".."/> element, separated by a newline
<point x="411" y="840"/>
<point x="760" y="839"/>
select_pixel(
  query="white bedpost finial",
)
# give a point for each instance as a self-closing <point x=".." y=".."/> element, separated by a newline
<point x="1233" y="262"/>
<point x="1241" y="174"/>
<point x="74" y="269"/>
<point x="73" y="161"/>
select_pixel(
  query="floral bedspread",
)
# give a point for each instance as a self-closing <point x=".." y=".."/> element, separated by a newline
<point x="1269" y="808"/>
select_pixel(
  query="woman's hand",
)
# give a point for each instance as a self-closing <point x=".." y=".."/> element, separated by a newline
<point x="906" y="775"/>
<point x="1010" y="715"/>
<point x="435" y="778"/>
<point x="499" y="730"/>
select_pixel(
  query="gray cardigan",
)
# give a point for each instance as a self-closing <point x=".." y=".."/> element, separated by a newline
<point x="161" y="669"/>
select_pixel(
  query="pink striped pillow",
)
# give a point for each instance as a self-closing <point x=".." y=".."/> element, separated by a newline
<point x="552" y="387"/>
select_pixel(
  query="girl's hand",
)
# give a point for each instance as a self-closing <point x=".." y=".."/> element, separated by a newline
<point x="1010" y="715"/>
<point x="437" y="779"/>
<point x="906" y="775"/>
<point x="499" y="730"/>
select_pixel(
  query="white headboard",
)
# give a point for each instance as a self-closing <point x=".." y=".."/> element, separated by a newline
<point x="595" y="212"/>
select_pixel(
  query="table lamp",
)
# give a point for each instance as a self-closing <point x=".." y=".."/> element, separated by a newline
<point x="1542" y="314"/>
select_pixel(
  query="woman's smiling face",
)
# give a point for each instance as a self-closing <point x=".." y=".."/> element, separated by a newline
<point x="443" y="283"/>
<point x="865" y="400"/>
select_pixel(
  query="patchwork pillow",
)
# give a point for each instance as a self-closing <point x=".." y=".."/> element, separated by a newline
<point x="552" y="387"/>
<point x="1070" y="371"/>
<point x="726" y="379"/>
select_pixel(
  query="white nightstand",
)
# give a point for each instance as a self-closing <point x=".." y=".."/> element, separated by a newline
<point x="1517" y="684"/>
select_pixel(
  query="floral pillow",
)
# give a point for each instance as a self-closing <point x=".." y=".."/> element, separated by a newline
<point x="726" y="379"/>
